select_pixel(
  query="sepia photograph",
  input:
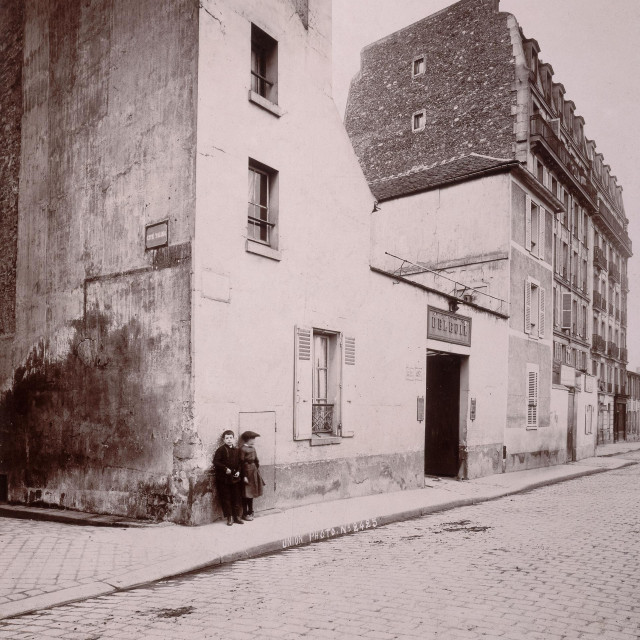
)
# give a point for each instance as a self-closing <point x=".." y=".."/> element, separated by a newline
<point x="319" y="319"/>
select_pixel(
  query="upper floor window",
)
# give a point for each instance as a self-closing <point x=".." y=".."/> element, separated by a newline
<point x="262" y="214"/>
<point x="264" y="65"/>
<point x="419" y="66"/>
<point x="534" y="308"/>
<point x="419" y="119"/>
<point x="535" y="229"/>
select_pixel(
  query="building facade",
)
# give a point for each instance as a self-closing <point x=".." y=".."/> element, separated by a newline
<point x="467" y="81"/>
<point x="192" y="243"/>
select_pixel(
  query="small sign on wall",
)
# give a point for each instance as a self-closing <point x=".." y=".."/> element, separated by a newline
<point x="448" y="327"/>
<point x="156" y="235"/>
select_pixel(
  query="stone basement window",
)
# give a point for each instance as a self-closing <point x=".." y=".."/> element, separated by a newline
<point x="418" y="120"/>
<point x="418" y="66"/>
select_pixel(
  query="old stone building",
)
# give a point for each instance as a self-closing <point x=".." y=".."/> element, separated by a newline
<point x="464" y="84"/>
<point x="191" y="238"/>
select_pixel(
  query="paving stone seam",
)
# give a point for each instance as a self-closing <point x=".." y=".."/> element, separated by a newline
<point x="127" y="582"/>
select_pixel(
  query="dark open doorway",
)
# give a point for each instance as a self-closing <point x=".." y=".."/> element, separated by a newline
<point x="442" y="416"/>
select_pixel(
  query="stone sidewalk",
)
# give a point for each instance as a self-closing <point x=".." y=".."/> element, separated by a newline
<point x="44" y="564"/>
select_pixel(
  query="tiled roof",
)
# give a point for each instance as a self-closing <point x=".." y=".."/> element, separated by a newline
<point x="436" y="175"/>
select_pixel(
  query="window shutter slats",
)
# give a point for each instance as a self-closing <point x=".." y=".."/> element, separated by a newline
<point x="541" y="299"/>
<point x="532" y="398"/>
<point x="541" y="233"/>
<point x="527" y="306"/>
<point x="527" y="231"/>
<point x="349" y="390"/>
<point x="566" y="311"/>
<point x="303" y="391"/>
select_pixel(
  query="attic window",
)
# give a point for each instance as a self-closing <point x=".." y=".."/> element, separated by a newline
<point x="418" y="67"/>
<point x="418" y="120"/>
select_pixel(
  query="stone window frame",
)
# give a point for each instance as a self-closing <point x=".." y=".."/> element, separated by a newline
<point x="422" y="113"/>
<point x="422" y="61"/>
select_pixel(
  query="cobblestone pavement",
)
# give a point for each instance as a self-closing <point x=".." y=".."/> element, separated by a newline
<point x="559" y="562"/>
<point x="62" y="556"/>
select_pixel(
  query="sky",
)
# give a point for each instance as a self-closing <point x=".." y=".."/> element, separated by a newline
<point x="592" y="47"/>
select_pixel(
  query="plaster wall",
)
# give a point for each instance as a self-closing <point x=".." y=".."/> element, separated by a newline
<point x="91" y="418"/>
<point x="461" y="231"/>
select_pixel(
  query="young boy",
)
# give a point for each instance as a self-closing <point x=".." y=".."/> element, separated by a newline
<point x="226" y="462"/>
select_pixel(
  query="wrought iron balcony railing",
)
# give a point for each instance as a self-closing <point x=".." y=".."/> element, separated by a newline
<point x="614" y="271"/>
<point x="322" y="418"/>
<point x="599" y="259"/>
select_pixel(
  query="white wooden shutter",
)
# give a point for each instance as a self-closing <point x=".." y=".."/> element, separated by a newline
<point x="348" y="384"/>
<point x="302" y="400"/>
<point x="545" y="178"/>
<point x="541" y="311"/>
<point x="566" y="311"/>
<point x="532" y="397"/>
<point x="527" y="306"/>
<point x="527" y="228"/>
<point x="542" y="223"/>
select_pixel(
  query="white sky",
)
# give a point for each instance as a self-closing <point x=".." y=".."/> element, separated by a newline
<point x="592" y="47"/>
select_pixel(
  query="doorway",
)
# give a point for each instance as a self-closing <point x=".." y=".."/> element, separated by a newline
<point x="572" y="427"/>
<point x="442" y="415"/>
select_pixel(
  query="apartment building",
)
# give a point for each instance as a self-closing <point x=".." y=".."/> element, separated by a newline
<point x="467" y="81"/>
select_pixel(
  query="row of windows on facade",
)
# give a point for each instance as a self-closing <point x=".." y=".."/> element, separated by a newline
<point x="570" y="313"/>
<point x="575" y="218"/>
<point x="557" y="107"/>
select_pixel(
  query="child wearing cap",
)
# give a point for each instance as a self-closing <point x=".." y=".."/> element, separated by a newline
<point x="250" y="466"/>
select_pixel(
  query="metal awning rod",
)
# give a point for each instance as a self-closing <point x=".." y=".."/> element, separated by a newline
<point x="436" y="273"/>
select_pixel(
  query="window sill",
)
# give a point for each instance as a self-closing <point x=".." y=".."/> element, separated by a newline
<point x="269" y="106"/>
<point x="320" y="440"/>
<point x="263" y="250"/>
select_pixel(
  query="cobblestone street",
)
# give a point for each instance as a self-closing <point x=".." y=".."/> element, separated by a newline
<point x="558" y="562"/>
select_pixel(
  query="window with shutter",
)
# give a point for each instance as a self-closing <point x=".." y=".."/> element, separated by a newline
<point x="532" y="396"/>
<point x="527" y="231"/>
<point x="324" y="384"/>
<point x="527" y="306"/>
<point x="542" y="233"/>
<point x="541" y="312"/>
<point x="566" y="311"/>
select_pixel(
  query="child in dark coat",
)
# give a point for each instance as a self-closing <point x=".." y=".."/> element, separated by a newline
<point x="226" y="462"/>
<point x="250" y="466"/>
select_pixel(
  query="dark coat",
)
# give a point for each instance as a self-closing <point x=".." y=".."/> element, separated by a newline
<point x="227" y="458"/>
<point x="250" y="466"/>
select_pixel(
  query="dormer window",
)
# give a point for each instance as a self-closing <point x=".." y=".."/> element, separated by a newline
<point x="419" y="66"/>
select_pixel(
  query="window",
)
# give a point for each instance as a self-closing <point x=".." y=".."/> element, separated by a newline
<point x="418" y="67"/>
<point x="566" y="311"/>
<point x="535" y="229"/>
<point x="262" y="214"/>
<point x="534" y="309"/>
<point x="419" y="119"/>
<point x="532" y="396"/>
<point x="264" y="65"/>
<point x="324" y="362"/>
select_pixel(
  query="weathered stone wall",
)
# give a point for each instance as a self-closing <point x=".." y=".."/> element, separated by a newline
<point x="11" y="47"/>
<point x="467" y="91"/>
<point x="99" y="414"/>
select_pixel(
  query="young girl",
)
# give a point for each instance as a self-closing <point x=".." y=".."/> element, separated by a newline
<point x="250" y="465"/>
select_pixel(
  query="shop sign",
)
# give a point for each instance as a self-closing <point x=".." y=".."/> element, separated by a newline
<point x="156" y="235"/>
<point x="448" y="327"/>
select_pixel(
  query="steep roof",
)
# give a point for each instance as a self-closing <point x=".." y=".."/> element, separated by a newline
<point x="423" y="178"/>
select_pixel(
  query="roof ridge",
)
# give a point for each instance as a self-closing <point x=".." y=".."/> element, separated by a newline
<point x="426" y="167"/>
